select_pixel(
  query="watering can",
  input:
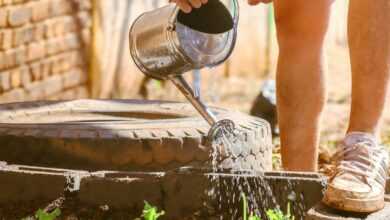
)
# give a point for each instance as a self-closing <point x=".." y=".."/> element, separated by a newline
<point x="166" y="43"/>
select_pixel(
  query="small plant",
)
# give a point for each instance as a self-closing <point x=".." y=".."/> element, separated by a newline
<point x="150" y="212"/>
<point x="272" y="214"/>
<point x="245" y="210"/>
<point x="277" y="214"/>
<point x="43" y="215"/>
<point x="254" y="217"/>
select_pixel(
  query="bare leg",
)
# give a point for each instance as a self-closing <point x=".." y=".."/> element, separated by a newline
<point x="369" y="41"/>
<point x="301" y="26"/>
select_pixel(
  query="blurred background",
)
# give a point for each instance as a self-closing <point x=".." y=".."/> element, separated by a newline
<point x="70" y="49"/>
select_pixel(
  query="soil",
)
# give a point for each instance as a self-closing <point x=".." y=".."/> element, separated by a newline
<point x="212" y="18"/>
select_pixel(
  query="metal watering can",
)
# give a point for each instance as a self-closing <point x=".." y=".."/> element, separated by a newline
<point x="165" y="43"/>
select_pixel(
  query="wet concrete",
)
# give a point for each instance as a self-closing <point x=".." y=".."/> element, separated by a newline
<point x="183" y="194"/>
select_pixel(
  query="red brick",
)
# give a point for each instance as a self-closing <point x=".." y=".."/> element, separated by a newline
<point x="73" y="78"/>
<point x="15" y="95"/>
<point x="5" y="82"/>
<point x="59" y="28"/>
<point x="49" y="29"/>
<point x="73" y="41"/>
<point x="35" y="69"/>
<point x="18" y="38"/>
<point x="19" y="15"/>
<point x="36" y="90"/>
<point x="25" y="76"/>
<point x="16" y="80"/>
<point x="78" y="58"/>
<point x="20" y="55"/>
<point x="36" y="51"/>
<point x="43" y="48"/>
<point x="23" y="35"/>
<point x="40" y="10"/>
<point x="2" y="61"/>
<point x="14" y="57"/>
<point x="84" y="19"/>
<point x="65" y="62"/>
<point x="46" y="68"/>
<point x="53" y="85"/>
<point x="55" y="67"/>
<point x="61" y="63"/>
<point x="70" y="24"/>
<point x="82" y="92"/>
<point x="3" y="17"/>
<point x="19" y="1"/>
<point x="69" y="94"/>
<point x="6" y="39"/>
<point x="61" y="7"/>
<point x="39" y="31"/>
<point x="55" y="46"/>
<point x="84" y="5"/>
<point x="9" y="59"/>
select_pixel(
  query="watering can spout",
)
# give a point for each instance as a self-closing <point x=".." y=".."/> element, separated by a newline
<point x="195" y="100"/>
<point x="218" y="128"/>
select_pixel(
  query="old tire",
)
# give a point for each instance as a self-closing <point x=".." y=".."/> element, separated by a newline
<point x="120" y="134"/>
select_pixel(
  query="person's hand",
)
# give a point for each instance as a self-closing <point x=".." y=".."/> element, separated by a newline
<point x="187" y="5"/>
<point x="255" y="2"/>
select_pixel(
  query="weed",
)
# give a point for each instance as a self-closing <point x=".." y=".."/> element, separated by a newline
<point x="276" y="161"/>
<point x="277" y="214"/>
<point x="43" y="215"/>
<point x="245" y="210"/>
<point x="272" y="214"/>
<point x="150" y="212"/>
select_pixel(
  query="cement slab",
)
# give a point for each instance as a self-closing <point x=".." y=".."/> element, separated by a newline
<point x="323" y="212"/>
<point x="24" y="189"/>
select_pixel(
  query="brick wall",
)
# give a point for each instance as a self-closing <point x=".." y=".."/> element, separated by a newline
<point x="44" y="49"/>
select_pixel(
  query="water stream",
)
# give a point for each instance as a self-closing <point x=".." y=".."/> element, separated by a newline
<point x="228" y="148"/>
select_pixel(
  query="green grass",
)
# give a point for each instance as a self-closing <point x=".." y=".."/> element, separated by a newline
<point x="150" y="212"/>
<point x="276" y="214"/>
<point x="272" y="214"/>
<point x="43" y="215"/>
<point x="245" y="210"/>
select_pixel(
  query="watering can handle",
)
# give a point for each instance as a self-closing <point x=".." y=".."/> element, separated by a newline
<point x="236" y="15"/>
<point x="172" y="19"/>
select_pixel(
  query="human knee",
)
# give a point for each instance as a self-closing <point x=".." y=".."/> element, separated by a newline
<point x="299" y="33"/>
<point x="303" y="25"/>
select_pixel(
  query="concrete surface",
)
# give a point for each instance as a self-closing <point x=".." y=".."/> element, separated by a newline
<point x="322" y="212"/>
<point x="184" y="194"/>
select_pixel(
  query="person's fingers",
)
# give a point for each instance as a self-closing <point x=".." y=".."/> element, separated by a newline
<point x="187" y="5"/>
<point x="255" y="2"/>
<point x="195" y="3"/>
<point x="184" y="5"/>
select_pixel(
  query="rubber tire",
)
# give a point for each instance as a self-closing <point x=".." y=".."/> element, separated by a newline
<point x="124" y="135"/>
